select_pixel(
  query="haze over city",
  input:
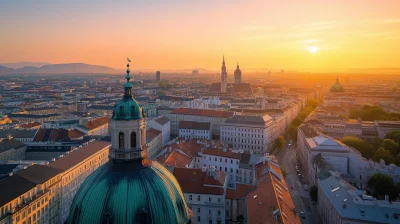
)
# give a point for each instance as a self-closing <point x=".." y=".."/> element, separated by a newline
<point x="310" y="35"/>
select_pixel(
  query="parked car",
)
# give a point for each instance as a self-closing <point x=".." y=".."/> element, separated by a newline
<point x="302" y="215"/>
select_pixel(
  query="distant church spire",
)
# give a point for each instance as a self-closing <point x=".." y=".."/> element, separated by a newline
<point x="224" y="76"/>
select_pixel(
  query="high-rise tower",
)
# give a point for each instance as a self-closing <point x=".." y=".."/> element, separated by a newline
<point x="158" y="75"/>
<point x="238" y="75"/>
<point x="224" y="77"/>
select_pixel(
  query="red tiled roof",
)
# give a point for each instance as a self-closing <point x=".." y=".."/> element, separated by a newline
<point x="30" y="125"/>
<point x="271" y="193"/>
<point x="241" y="191"/>
<point x="194" y="125"/>
<point x="152" y="133"/>
<point x="44" y="135"/>
<point x="204" y="113"/>
<point x="189" y="147"/>
<point x="192" y="181"/>
<point x="75" y="134"/>
<point x="177" y="160"/>
<point x="98" y="122"/>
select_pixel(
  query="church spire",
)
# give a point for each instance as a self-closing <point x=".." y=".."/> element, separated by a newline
<point x="128" y="86"/>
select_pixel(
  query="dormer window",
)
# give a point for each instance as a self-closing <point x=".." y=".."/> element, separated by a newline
<point x="121" y="111"/>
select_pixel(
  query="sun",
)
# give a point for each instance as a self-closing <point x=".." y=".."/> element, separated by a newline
<point x="313" y="49"/>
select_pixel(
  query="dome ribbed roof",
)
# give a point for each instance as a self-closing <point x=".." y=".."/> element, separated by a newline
<point x="127" y="109"/>
<point x="141" y="192"/>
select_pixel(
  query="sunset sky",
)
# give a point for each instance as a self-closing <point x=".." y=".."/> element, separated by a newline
<point x="175" y="34"/>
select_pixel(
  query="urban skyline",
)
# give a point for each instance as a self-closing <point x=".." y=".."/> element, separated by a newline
<point x="312" y="35"/>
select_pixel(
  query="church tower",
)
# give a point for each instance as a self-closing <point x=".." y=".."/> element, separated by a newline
<point x="238" y="75"/>
<point x="224" y="77"/>
<point x="128" y="127"/>
<point x="130" y="188"/>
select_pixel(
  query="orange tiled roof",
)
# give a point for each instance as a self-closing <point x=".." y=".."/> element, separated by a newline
<point x="30" y="125"/>
<point x="193" y="181"/>
<point x="205" y="113"/>
<point x="75" y="134"/>
<point x="98" y="122"/>
<point x="241" y="191"/>
<point x="271" y="193"/>
<point x="177" y="160"/>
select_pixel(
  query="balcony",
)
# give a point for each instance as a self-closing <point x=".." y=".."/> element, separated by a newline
<point x="128" y="154"/>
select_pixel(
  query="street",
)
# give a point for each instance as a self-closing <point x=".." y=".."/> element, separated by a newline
<point x="301" y="198"/>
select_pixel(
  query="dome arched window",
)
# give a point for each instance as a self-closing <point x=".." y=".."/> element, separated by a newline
<point x="133" y="139"/>
<point x="121" y="140"/>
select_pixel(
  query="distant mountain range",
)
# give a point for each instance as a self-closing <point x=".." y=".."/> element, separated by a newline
<point x="23" y="64"/>
<point x="69" y="68"/>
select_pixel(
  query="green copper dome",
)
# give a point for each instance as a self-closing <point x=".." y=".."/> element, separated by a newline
<point x="128" y="108"/>
<point x="141" y="192"/>
<point x="337" y="87"/>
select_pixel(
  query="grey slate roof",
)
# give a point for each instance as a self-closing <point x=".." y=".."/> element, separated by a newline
<point x="248" y="120"/>
<point x="78" y="155"/>
<point x="18" y="133"/>
<point x="194" y="125"/>
<point x="12" y="187"/>
<point x="162" y="120"/>
<point x="38" y="174"/>
<point x="8" y="144"/>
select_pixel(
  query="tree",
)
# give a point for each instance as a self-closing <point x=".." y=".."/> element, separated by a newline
<point x="376" y="143"/>
<point x="370" y="113"/>
<point x="381" y="153"/>
<point x="394" y="135"/>
<point x="382" y="184"/>
<point x="314" y="193"/>
<point x="292" y="132"/>
<point x="312" y="103"/>
<point x="392" y="146"/>
<point x="397" y="162"/>
<point x="297" y="122"/>
<point x="303" y="115"/>
<point x="366" y="149"/>
<point x="278" y="143"/>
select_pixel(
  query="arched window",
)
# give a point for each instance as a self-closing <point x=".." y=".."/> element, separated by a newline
<point x="121" y="138"/>
<point x="133" y="140"/>
<point x="121" y="111"/>
<point x="133" y="111"/>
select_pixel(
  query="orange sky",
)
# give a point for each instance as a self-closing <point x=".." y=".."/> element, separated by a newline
<point x="180" y="34"/>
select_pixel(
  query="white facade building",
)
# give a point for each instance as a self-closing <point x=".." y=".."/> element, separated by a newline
<point x="249" y="133"/>
<point x="76" y="167"/>
<point x="216" y="118"/>
<point x="204" y="190"/>
<point x="191" y="129"/>
<point x="162" y="124"/>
